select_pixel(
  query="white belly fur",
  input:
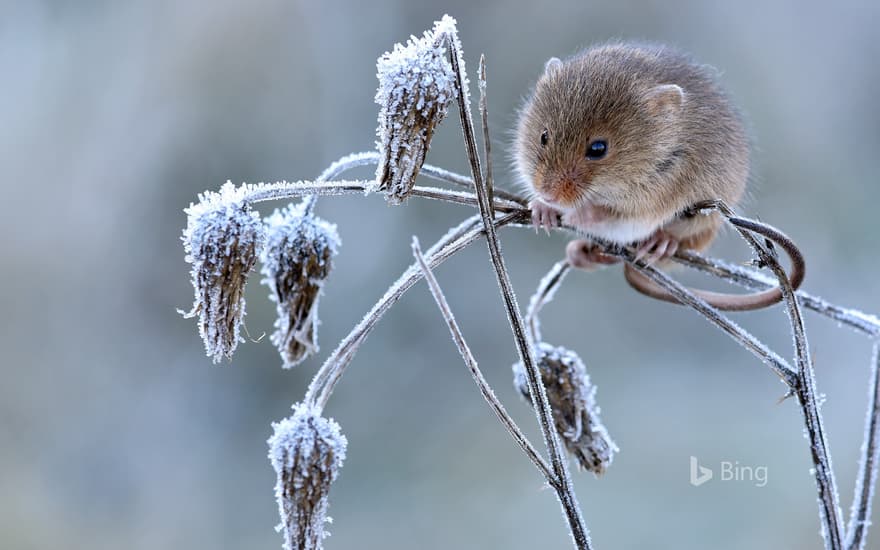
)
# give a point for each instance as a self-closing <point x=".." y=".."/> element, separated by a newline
<point x="616" y="230"/>
<point x="621" y="231"/>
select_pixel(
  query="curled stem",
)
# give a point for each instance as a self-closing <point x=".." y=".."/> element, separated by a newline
<point x="474" y="368"/>
<point x="544" y="294"/>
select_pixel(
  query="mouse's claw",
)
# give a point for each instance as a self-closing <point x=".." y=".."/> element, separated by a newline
<point x="659" y="246"/>
<point x="543" y="215"/>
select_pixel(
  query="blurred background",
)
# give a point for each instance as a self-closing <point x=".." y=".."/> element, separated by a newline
<point x="117" y="432"/>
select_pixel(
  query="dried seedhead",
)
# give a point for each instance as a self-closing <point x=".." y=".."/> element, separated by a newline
<point x="307" y="451"/>
<point x="296" y="261"/>
<point x="573" y="400"/>
<point x="222" y="240"/>
<point x="416" y="85"/>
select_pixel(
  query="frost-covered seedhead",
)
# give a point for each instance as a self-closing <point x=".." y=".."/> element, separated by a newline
<point x="573" y="400"/>
<point x="296" y="261"/>
<point x="416" y="85"/>
<point x="307" y="451"/>
<point x="222" y="240"/>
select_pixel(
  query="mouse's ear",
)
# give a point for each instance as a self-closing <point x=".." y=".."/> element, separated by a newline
<point x="664" y="99"/>
<point x="553" y="64"/>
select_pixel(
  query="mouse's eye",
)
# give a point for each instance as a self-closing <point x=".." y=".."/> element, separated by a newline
<point x="544" y="137"/>
<point x="597" y="149"/>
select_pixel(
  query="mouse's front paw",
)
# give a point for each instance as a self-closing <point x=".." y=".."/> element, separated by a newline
<point x="543" y="215"/>
<point x="588" y="256"/>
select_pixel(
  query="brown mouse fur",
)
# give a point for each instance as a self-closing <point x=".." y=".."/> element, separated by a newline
<point x="673" y="139"/>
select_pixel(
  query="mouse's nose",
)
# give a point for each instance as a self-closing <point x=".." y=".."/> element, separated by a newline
<point x="563" y="191"/>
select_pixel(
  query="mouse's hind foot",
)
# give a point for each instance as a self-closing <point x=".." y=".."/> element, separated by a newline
<point x="588" y="256"/>
<point x="658" y="247"/>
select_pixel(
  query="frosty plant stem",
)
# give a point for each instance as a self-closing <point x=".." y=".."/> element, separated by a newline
<point x="749" y="278"/>
<point x="370" y="158"/>
<point x="253" y="193"/>
<point x="779" y="365"/>
<point x="805" y="389"/>
<point x="860" y="517"/>
<point x="472" y="366"/>
<point x="544" y="294"/>
<point x="829" y="504"/>
<point x="562" y="482"/>
<point x="484" y="119"/>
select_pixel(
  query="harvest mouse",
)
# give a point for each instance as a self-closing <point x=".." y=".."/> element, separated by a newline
<point x="619" y="140"/>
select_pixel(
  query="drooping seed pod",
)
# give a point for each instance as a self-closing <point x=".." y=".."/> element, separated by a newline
<point x="416" y="85"/>
<point x="307" y="451"/>
<point x="296" y="261"/>
<point x="222" y="240"/>
<point x="573" y="400"/>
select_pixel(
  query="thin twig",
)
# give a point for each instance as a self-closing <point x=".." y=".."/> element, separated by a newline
<point x="440" y="174"/>
<point x="349" y="162"/>
<point x="288" y="190"/>
<point x="368" y="158"/>
<point x="335" y="169"/>
<point x="487" y="142"/>
<point x="472" y="365"/>
<point x="546" y="288"/>
<point x="860" y="515"/>
<point x="322" y="385"/>
<point x="750" y="278"/>
<point x="260" y="192"/>
<point x="463" y="197"/>
<point x="335" y="364"/>
<point x="563" y="484"/>
<point x="779" y="365"/>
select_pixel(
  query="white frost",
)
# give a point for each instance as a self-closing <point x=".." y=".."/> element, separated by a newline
<point x="222" y="240"/>
<point x="416" y="86"/>
<point x="307" y="451"/>
<point x="297" y="259"/>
